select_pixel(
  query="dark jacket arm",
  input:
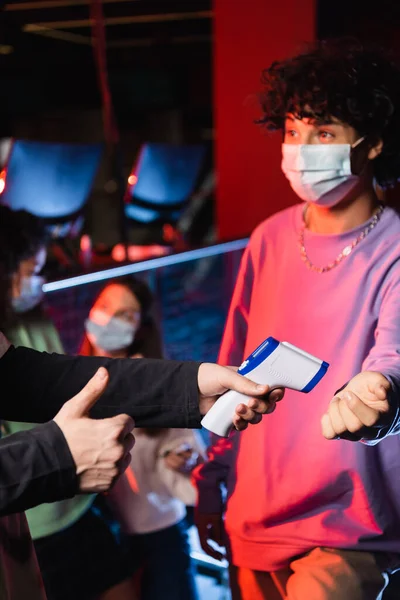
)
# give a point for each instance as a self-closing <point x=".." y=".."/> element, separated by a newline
<point x="36" y="466"/>
<point x="156" y="393"/>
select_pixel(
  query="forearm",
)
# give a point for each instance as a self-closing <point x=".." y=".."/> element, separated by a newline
<point x="36" y="466"/>
<point x="156" y="393"/>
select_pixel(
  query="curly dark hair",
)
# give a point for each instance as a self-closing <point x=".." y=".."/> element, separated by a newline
<point x="21" y="236"/>
<point x="345" y="80"/>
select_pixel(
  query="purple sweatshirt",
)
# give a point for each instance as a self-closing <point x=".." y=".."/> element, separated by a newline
<point x="290" y="489"/>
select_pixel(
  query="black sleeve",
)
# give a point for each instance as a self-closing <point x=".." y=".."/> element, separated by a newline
<point x="156" y="393"/>
<point x="36" y="466"/>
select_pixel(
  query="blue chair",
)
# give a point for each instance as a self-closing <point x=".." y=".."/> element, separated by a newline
<point x="162" y="182"/>
<point x="51" y="180"/>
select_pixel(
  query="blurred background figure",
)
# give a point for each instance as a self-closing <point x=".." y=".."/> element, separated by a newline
<point x="150" y="500"/>
<point x="121" y="323"/>
<point x="78" y="554"/>
<point x="23" y="254"/>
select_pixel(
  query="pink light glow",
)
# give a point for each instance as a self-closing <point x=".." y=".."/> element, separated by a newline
<point x="132" y="179"/>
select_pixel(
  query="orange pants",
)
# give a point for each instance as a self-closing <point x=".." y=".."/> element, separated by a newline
<point x="322" y="574"/>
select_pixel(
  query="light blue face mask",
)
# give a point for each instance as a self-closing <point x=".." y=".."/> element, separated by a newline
<point x="115" y="334"/>
<point x="319" y="173"/>
<point x="31" y="294"/>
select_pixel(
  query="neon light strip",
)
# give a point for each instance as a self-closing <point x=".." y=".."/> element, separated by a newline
<point x="147" y="265"/>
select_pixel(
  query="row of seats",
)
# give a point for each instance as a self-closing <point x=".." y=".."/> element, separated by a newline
<point x="54" y="181"/>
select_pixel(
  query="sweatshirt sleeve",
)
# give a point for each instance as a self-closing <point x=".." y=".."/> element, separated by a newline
<point x="156" y="393"/>
<point x="385" y="354"/>
<point x="36" y="466"/>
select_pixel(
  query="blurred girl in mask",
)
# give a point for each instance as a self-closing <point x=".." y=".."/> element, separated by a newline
<point x="77" y="552"/>
<point x="149" y="500"/>
<point x="23" y="255"/>
<point x="120" y="323"/>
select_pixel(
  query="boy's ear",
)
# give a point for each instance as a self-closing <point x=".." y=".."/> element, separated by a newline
<point x="375" y="150"/>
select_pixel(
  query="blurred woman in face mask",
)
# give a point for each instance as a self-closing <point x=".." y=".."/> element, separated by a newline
<point x="78" y="554"/>
<point x="120" y="323"/>
<point x="150" y="500"/>
<point x="23" y="255"/>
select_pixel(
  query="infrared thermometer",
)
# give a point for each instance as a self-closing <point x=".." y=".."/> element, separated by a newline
<point x="278" y="364"/>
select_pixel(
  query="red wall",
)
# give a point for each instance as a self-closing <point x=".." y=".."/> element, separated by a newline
<point x="249" y="35"/>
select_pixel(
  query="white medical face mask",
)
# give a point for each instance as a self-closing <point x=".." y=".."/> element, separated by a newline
<point x="319" y="173"/>
<point x="31" y="294"/>
<point x="109" y="333"/>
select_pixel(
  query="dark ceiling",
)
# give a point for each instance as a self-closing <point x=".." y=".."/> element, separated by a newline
<point x="158" y="52"/>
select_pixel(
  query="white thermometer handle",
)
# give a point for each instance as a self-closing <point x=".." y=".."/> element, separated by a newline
<point x="219" y="417"/>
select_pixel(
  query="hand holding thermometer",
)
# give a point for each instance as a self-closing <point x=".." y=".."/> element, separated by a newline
<point x="278" y="364"/>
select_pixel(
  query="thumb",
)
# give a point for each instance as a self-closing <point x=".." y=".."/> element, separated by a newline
<point x="231" y="380"/>
<point x="80" y="405"/>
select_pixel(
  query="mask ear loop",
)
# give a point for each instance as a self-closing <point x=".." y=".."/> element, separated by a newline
<point x="356" y="167"/>
<point x="361" y="139"/>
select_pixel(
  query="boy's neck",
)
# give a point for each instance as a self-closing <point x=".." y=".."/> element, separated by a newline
<point x="343" y="217"/>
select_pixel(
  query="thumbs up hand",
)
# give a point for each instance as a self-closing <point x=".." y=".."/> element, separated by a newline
<point x="100" y="448"/>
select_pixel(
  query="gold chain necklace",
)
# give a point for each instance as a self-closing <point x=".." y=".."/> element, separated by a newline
<point x="345" y="252"/>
